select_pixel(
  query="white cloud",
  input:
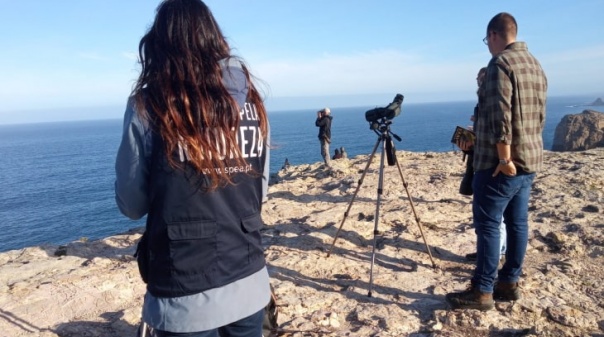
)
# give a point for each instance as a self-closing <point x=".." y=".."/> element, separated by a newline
<point x="352" y="79"/>
<point x="365" y="73"/>
<point x="92" y="56"/>
<point x="30" y="90"/>
<point x="389" y="71"/>
<point x="575" y="71"/>
<point x="567" y="56"/>
<point x="130" y="55"/>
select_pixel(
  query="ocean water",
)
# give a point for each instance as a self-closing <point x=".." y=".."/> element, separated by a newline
<point x="57" y="178"/>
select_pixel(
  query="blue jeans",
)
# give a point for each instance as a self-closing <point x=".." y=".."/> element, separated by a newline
<point x="250" y="326"/>
<point x="495" y="197"/>
<point x="502" y="238"/>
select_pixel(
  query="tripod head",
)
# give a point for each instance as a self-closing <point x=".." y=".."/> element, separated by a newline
<point x="382" y="128"/>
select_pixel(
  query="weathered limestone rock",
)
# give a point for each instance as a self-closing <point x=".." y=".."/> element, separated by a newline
<point x="93" y="288"/>
<point x="580" y="132"/>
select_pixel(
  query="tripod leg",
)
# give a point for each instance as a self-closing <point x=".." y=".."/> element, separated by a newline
<point x="142" y="330"/>
<point x="377" y="215"/>
<point x="414" y="212"/>
<point x="354" y="196"/>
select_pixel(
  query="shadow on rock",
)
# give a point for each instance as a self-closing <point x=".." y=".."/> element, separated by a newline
<point x="112" y="324"/>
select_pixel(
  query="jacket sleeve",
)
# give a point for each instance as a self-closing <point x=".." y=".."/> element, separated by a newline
<point x="132" y="166"/>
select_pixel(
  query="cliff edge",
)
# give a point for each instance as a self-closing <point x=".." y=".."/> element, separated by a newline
<point x="93" y="288"/>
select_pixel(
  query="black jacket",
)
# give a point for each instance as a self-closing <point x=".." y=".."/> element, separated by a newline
<point x="324" y="124"/>
<point x="198" y="240"/>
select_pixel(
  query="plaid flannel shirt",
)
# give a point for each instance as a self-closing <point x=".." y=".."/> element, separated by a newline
<point x="513" y="110"/>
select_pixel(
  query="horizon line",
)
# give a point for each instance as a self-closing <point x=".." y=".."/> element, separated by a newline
<point x="276" y="110"/>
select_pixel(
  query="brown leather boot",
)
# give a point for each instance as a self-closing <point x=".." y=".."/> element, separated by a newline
<point x="506" y="291"/>
<point x="471" y="299"/>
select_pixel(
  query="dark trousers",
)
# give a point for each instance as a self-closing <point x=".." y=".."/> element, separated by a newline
<point x="325" y="151"/>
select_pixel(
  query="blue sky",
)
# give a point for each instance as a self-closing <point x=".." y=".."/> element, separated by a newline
<point x="76" y="59"/>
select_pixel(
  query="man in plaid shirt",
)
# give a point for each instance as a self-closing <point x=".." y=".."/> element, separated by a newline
<point x="507" y="154"/>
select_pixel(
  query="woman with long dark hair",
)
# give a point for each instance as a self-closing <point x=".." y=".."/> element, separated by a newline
<point x="193" y="159"/>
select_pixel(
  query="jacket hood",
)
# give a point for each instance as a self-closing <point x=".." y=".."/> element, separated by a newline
<point x="234" y="80"/>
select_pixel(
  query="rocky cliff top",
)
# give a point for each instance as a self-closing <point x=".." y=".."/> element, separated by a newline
<point x="580" y="132"/>
<point x="93" y="288"/>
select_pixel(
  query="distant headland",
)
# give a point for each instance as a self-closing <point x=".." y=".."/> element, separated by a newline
<point x="597" y="102"/>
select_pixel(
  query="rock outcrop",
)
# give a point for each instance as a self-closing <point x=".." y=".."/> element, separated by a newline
<point x="597" y="102"/>
<point x="580" y="132"/>
<point x="93" y="288"/>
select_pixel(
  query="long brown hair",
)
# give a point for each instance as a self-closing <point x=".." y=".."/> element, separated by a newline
<point x="181" y="92"/>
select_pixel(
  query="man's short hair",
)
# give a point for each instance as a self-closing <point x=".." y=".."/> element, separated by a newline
<point x="504" y="24"/>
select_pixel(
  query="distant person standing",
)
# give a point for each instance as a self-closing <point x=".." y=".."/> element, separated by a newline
<point x="324" y="123"/>
<point x="507" y="154"/>
<point x="343" y="153"/>
<point x="286" y="165"/>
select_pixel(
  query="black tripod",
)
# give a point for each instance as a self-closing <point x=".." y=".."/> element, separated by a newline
<point x="382" y="129"/>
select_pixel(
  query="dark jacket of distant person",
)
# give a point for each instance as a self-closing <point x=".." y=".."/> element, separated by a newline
<point x="324" y="124"/>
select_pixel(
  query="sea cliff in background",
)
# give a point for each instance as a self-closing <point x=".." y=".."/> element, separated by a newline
<point x="93" y="288"/>
<point x="580" y="132"/>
